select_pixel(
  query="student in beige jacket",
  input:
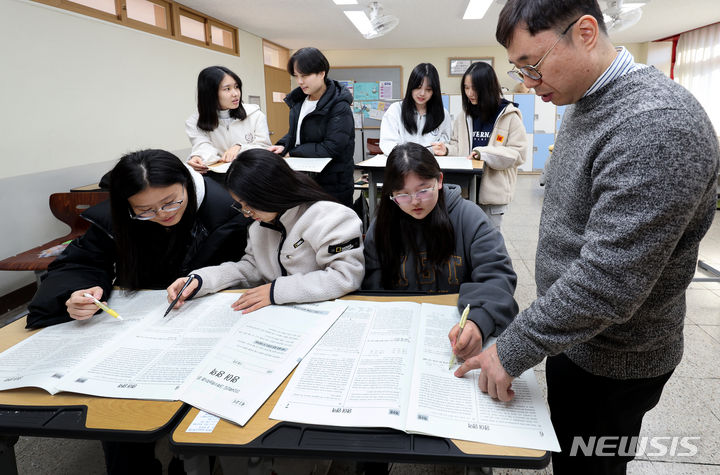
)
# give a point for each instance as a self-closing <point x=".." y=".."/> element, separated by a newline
<point x="303" y="247"/>
<point x="490" y="129"/>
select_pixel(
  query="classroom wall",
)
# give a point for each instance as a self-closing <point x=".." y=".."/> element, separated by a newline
<point x="76" y="94"/>
<point x="408" y="58"/>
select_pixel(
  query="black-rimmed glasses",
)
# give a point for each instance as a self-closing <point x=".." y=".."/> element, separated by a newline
<point x="532" y="72"/>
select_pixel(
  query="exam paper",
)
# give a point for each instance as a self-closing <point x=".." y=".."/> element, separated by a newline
<point x="252" y="361"/>
<point x="299" y="164"/>
<point x="445" y="163"/>
<point x="359" y="372"/>
<point x="389" y="368"/>
<point x="446" y="406"/>
<point x="153" y="361"/>
<point x="44" y="359"/>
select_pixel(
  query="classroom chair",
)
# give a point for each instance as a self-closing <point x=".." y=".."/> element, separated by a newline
<point x="373" y="147"/>
<point x="66" y="207"/>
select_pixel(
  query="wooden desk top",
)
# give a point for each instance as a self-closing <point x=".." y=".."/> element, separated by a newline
<point x="102" y="413"/>
<point x="90" y="187"/>
<point x="229" y="434"/>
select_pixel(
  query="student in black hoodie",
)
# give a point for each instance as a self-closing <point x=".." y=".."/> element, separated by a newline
<point x="321" y="123"/>
<point x="162" y="221"/>
<point x="427" y="238"/>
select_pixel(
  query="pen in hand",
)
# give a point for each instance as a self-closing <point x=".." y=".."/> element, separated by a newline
<point x="463" y="319"/>
<point x="191" y="277"/>
<point x="102" y="306"/>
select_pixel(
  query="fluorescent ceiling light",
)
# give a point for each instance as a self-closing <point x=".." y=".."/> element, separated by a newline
<point x="360" y="20"/>
<point x="476" y="9"/>
<point x="345" y="2"/>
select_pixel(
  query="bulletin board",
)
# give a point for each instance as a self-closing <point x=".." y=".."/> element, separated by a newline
<point x="370" y="74"/>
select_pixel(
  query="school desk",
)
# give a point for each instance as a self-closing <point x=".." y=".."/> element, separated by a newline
<point x="466" y="178"/>
<point x="262" y="436"/>
<point x="34" y="412"/>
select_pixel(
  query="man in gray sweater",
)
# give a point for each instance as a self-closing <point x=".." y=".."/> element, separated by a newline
<point x="631" y="194"/>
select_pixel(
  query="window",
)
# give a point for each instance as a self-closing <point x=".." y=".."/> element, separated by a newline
<point x="221" y="37"/>
<point x="192" y="26"/>
<point x="149" y="12"/>
<point x="161" y="17"/>
<point x="274" y="55"/>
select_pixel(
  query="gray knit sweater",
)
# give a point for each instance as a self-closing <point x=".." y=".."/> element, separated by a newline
<point x="630" y="194"/>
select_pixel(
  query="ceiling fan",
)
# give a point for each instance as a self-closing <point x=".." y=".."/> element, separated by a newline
<point x="381" y="24"/>
<point x="620" y="15"/>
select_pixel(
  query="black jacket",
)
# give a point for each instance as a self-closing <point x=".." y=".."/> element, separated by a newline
<point x="328" y="131"/>
<point x="218" y="235"/>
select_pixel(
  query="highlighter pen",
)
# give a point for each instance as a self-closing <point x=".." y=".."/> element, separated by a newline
<point x="102" y="306"/>
<point x="463" y="319"/>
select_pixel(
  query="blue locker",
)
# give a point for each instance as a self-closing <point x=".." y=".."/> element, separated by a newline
<point x="526" y="104"/>
<point x="541" y="142"/>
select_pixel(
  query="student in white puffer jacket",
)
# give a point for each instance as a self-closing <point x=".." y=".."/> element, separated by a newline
<point x="223" y="127"/>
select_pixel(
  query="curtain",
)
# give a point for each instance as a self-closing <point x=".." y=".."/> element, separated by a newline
<point x="697" y="68"/>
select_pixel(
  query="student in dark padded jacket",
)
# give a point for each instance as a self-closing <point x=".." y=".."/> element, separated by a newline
<point x="162" y="221"/>
<point x="427" y="238"/>
<point x="321" y="123"/>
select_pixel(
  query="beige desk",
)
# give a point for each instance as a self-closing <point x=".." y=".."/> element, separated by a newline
<point x="34" y="412"/>
<point x="262" y="436"/>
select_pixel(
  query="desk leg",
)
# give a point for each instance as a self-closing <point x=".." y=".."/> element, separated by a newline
<point x="713" y="271"/>
<point x="372" y="193"/>
<point x="8" y="465"/>
<point x="472" y="189"/>
<point x="197" y="464"/>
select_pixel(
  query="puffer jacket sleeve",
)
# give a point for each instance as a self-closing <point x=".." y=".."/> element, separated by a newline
<point x="88" y="261"/>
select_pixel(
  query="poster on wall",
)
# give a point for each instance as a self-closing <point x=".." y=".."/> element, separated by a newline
<point x="366" y="91"/>
<point x="349" y="85"/>
<point x="386" y="88"/>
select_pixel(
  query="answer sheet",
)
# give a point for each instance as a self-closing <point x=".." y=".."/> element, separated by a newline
<point x="252" y="361"/>
<point x="386" y="365"/>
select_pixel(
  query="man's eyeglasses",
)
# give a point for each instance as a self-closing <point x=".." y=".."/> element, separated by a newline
<point x="519" y="74"/>
<point x="407" y="198"/>
<point x="151" y="213"/>
<point x="239" y="208"/>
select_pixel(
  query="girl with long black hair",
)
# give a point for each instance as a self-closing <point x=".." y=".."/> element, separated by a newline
<point x="490" y="129"/>
<point x="420" y="117"/>
<point x="162" y="220"/>
<point x="223" y="127"/>
<point x="303" y="247"/>
<point x="427" y="238"/>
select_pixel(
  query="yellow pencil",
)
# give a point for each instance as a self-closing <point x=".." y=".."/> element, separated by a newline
<point x="463" y="319"/>
<point x="103" y="306"/>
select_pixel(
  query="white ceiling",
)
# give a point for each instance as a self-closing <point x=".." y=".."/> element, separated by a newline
<point x="423" y="23"/>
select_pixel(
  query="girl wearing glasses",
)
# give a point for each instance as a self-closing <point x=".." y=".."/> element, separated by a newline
<point x="427" y="238"/>
<point x="162" y="220"/>
<point x="303" y="246"/>
<point x="420" y="117"/>
<point x="223" y="126"/>
<point x="491" y="129"/>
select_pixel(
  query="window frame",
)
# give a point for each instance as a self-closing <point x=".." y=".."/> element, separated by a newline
<point x="173" y="11"/>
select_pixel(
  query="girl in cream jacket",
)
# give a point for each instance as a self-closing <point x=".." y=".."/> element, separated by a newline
<point x="490" y="129"/>
<point x="303" y="247"/>
<point x="223" y="127"/>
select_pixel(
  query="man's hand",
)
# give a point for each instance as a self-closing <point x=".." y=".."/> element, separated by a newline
<point x="493" y="379"/>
